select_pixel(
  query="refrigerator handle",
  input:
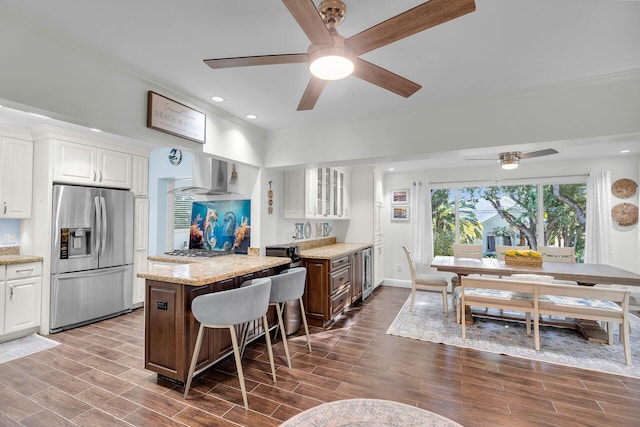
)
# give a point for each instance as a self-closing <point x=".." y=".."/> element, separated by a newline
<point x="98" y="224"/>
<point x="104" y="221"/>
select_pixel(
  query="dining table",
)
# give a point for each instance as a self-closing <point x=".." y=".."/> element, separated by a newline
<point x="585" y="274"/>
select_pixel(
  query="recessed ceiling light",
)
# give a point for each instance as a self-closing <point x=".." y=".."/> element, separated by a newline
<point x="251" y="116"/>
<point x="95" y="130"/>
<point x="392" y="169"/>
<point x="625" y="151"/>
<point x="217" y="98"/>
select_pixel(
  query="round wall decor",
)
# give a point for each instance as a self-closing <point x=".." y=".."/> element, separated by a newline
<point x="624" y="214"/>
<point x="624" y="188"/>
<point x="175" y="156"/>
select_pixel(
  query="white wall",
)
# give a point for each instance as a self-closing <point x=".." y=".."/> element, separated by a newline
<point x="625" y="244"/>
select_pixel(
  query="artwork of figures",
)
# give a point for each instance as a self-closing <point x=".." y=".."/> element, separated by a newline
<point x="222" y="225"/>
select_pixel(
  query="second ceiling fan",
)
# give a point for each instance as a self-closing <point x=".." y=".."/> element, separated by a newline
<point x="327" y="45"/>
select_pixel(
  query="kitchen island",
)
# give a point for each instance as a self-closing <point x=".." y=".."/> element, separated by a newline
<point x="170" y="328"/>
<point x="335" y="277"/>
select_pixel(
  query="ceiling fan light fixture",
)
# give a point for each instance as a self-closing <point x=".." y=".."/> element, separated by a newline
<point x="332" y="62"/>
<point x="331" y="67"/>
<point x="509" y="160"/>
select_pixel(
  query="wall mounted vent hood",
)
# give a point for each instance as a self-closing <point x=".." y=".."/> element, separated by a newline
<point x="210" y="177"/>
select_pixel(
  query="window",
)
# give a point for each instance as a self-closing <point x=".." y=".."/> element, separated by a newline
<point x="526" y="214"/>
<point x="182" y="211"/>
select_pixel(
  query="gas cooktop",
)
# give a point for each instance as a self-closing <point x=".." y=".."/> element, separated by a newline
<point x="197" y="253"/>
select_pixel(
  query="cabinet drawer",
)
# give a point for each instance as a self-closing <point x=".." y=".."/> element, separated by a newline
<point x="338" y="263"/>
<point x="339" y="301"/>
<point x="21" y="271"/>
<point x="339" y="279"/>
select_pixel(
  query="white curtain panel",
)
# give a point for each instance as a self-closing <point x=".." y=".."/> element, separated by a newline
<point x="599" y="226"/>
<point x="421" y="240"/>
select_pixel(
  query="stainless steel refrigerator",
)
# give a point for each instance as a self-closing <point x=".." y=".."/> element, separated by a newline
<point x="91" y="255"/>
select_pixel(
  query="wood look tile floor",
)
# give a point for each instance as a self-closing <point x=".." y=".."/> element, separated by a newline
<point x="96" y="378"/>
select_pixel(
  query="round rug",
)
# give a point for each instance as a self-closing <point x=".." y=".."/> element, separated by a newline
<point x="367" y="412"/>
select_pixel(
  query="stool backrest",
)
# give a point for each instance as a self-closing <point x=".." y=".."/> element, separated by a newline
<point x="234" y="306"/>
<point x="288" y="285"/>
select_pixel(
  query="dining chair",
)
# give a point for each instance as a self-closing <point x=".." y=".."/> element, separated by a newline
<point x="461" y="250"/>
<point x="226" y="309"/>
<point x="427" y="282"/>
<point x="557" y="254"/>
<point x="289" y="286"/>
<point x="501" y="249"/>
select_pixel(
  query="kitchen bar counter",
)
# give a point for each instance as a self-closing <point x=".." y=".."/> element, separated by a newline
<point x="199" y="272"/>
<point x="333" y="251"/>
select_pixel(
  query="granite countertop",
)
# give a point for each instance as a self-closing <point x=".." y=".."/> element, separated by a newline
<point x="18" y="259"/>
<point x="11" y="255"/>
<point x="333" y="251"/>
<point x="210" y="270"/>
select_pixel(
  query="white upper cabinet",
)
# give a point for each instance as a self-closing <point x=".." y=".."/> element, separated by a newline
<point x="321" y="193"/>
<point x="88" y="165"/>
<point x="16" y="178"/>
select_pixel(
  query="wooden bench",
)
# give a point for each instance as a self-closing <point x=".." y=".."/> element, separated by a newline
<point x="537" y="298"/>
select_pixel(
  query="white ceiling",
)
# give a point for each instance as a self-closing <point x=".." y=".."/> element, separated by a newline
<point x="504" y="46"/>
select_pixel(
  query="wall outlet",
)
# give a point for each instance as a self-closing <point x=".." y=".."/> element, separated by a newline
<point x="399" y="268"/>
<point x="8" y="238"/>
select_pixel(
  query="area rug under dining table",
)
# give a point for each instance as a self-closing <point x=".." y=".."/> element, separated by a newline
<point x="558" y="345"/>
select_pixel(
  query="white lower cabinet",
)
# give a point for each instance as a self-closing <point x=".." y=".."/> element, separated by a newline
<point x="22" y="296"/>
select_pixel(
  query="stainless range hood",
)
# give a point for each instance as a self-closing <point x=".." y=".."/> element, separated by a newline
<point x="210" y="177"/>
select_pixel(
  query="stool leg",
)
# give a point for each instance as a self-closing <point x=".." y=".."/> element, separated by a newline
<point x="194" y="360"/>
<point x="265" y="326"/>
<point x="304" y="321"/>
<point x="236" y="353"/>
<point x="284" y="334"/>
<point x="244" y="332"/>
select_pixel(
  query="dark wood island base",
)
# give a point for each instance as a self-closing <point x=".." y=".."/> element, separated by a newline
<point x="171" y="329"/>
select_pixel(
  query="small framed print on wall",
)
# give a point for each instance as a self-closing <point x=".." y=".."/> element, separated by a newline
<point x="400" y="213"/>
<point x="400" y="197"/>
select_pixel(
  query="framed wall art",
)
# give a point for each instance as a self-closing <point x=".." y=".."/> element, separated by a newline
<point x="169" y="116"/>
<point x="400" y="213"/>
<point x="400" y="197"/>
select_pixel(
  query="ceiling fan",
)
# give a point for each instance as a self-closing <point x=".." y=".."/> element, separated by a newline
<point x="510" y="159"/>
<point x="327" y="46"/>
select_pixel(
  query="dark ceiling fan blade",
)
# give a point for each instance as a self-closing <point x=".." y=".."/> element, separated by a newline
<point x="309" y="19"/>
<point x="384" y="78"/>
<point x="311" y="94"/>
<point x="245" y="61"/>
<point x="537" y="153"/>
<point x="420" y="18"/>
